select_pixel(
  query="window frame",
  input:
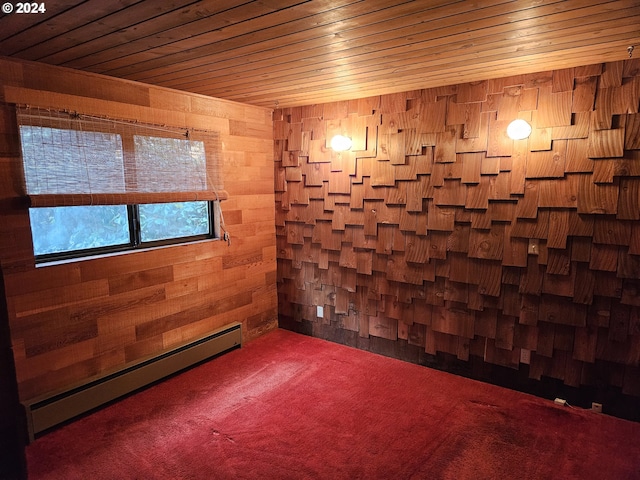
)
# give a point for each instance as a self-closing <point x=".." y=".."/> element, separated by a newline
<point x="213" y="234"/>
<point x="135" y="238"/>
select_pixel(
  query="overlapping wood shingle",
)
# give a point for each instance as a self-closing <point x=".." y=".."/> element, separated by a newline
<point x="439" y="230"/>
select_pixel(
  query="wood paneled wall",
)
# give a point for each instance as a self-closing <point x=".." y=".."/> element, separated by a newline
<point x="73" y="321"/>
<point x="437" y="230"/>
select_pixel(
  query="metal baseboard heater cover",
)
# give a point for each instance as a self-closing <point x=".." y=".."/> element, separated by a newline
<point x="48" y="411"/>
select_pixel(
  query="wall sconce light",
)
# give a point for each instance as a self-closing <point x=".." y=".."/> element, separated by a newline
<point x="340" y="143"/>
<point x="518" y="130"/>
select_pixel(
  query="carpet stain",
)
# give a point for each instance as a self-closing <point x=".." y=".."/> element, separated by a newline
<point x="229" y="438"/>
<point x="484" y="404"/>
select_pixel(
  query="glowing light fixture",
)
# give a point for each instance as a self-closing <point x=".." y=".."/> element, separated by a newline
<point x="340" y="143"/>
<point x="518" y="130"/>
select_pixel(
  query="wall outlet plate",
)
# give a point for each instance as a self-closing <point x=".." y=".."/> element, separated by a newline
<point x="320" y="311"/>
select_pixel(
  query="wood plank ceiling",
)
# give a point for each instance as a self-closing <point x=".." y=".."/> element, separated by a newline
<point x="299" y="52"/>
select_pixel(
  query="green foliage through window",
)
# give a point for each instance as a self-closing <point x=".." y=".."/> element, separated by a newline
<point x="70" y="232"/>
<point x="65" y="229"/>
<point x="161" y="221"/>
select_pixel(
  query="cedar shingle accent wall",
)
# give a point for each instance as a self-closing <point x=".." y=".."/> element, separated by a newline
<point x="438" y="230"/>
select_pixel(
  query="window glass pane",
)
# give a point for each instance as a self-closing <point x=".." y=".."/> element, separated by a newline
<point x="71" y="161"/>
<point x="161" y="221"/>
<point x="170" y="164"/>
<point x="65" y="229"/>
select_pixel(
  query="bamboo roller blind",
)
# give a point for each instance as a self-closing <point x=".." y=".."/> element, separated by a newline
<point x="73" y="159"/>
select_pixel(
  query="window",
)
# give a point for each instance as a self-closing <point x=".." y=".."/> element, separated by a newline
<point x="98" y="186"/>
<point x="60" y="230"/>
<point x="188" y="219"/>
<point x="71" y="232"/>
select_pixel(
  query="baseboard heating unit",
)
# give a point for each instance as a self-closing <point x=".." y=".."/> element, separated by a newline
<point x="45" y="412"/>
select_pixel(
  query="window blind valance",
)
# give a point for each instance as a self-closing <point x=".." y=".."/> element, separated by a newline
<point x="73" y="159"/>
<point x="78" y="199"/>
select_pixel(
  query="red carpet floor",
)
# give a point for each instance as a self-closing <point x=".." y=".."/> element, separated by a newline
<point x="287" y="406"/>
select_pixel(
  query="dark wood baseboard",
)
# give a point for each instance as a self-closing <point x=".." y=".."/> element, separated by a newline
<point x="614" y="402"/>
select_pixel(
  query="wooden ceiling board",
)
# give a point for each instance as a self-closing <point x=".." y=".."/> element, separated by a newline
<point x="188" y="40"/>
<point x="371" y="61"/>
<point x="384" y="51"/>
<point x="19" y="24"/>
<point x="301" y="52"/>
<point x="116" y="30"/>
<point x="290" y="37"/>
<point x="443" y="54"/>
<point x="63" y="25"/>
